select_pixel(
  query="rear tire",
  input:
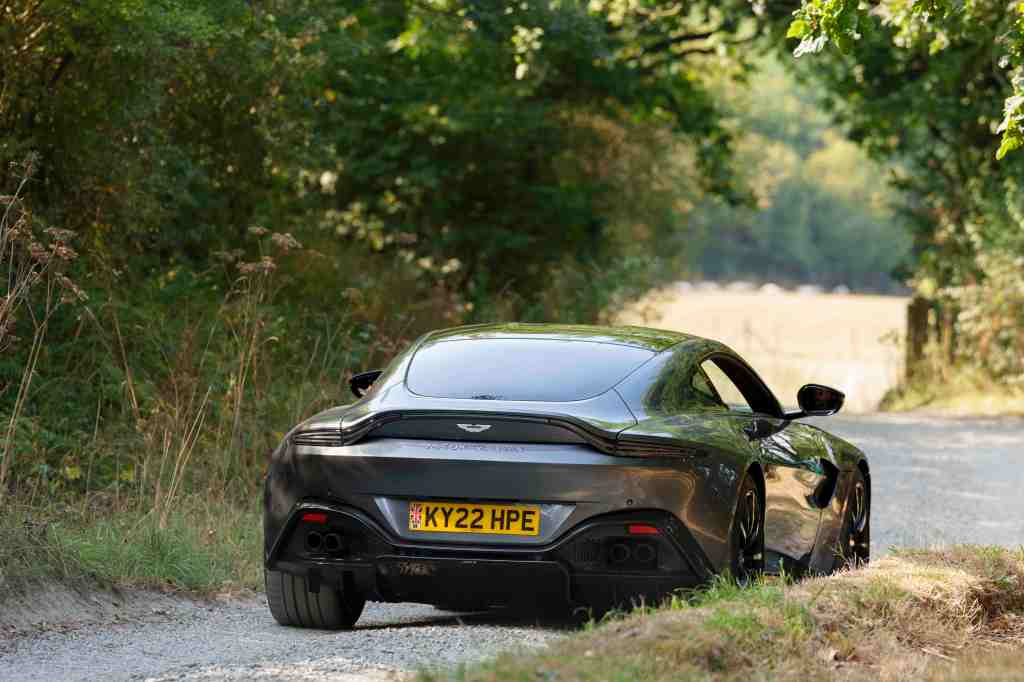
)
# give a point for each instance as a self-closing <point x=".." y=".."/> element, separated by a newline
<point x="854" y="542"/>
<point x="747" y="537"/>
<point x="293" y="604"/>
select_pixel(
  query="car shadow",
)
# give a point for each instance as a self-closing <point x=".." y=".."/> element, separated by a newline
<point x="503" y="617"/>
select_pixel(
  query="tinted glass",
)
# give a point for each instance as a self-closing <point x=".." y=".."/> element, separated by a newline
<point x="729" y="392"/>
<point x="703" y="389"/>
<point x="521" y="369"/>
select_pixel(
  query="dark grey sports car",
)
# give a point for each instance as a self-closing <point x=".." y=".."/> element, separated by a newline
<point x="549" y="464"/>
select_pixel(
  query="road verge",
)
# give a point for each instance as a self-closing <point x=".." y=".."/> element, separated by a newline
<point x="956" y="613"/>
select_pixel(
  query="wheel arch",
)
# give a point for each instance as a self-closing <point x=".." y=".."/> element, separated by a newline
<point x="755" y="470"/>
<point x="862" y="466"/>
<point x="756" y="473"/>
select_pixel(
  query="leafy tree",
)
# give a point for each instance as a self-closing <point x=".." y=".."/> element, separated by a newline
<point x="936" y="86"/>
<point x="462" y="133"/>
<point x="994" y="27"/>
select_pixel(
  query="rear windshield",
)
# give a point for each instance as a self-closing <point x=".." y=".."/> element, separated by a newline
<point x="546" y="370"/>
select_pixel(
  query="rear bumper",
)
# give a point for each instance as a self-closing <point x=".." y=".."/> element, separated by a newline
<point x="584" y="567"/>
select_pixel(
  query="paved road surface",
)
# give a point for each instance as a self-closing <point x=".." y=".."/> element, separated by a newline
<point x="935" y="481"/>
<point x="941" y="481"/>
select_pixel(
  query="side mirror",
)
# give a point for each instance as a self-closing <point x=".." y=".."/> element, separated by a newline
<point x="816" y="400"/>
<point x="360" y="383"/>
<point x="819" y="401"/>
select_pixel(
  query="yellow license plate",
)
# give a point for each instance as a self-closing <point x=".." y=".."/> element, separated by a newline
<point x="495" y="519"/>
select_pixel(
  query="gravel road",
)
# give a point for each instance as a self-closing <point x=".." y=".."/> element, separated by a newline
<point x="940" y="481"/>
<point x="936" y="481"/>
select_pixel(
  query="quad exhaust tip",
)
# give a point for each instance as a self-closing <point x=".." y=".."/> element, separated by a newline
<point x="323" y="542"/>
<point x="619" y="553"/>
<point x="640" y="553"/>
<point x="644" y="553"/>
<point x="332" y="542"/>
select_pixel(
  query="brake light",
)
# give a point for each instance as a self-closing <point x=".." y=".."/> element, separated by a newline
<point x="643" y="529"/>
<point x="314" y="517"/>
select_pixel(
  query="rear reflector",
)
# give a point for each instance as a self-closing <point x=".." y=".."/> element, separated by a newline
<point x="314" y="517"/>
<point x="642" y="529"/>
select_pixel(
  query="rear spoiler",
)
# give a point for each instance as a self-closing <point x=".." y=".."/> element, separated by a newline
<point x="527" y="428"/>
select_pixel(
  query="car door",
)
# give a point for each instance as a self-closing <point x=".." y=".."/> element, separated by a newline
<point x="790" y="455"/>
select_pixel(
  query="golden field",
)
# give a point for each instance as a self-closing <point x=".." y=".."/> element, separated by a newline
<point x="850" y="341"/>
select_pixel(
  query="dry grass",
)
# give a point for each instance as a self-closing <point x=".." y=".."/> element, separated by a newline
<point x="964" y="392"/>
<point x="200" y="546"/>
<point x="852" y="342"/>
<point x="940" y="615"/>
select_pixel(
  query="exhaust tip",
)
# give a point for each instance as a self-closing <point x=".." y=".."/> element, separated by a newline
<point x="314" y="540"/>
<point x="644" y="553"/>
<point x="619" y="553"/>
<point x="332" y="542"/>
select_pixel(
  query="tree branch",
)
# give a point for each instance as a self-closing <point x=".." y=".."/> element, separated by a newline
<point x="665" y="44"/>
<point x="711" y="49"/>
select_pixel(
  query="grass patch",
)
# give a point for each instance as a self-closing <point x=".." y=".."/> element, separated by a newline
<point x="202" y="548"/>
<point x="937" y="615"/>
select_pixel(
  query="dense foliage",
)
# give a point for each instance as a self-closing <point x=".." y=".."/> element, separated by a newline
<point x="264" y="195"/>
<point x="454" y="130"/>
<point x="256" y="197"/>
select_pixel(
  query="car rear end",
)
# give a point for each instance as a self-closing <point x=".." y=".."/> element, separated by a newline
<point x="432" y="491"/>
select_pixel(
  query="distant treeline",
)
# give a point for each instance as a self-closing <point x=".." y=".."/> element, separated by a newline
<point x="822" y="213"/>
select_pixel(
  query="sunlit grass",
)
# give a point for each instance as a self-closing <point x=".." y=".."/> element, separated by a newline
<point x="905" y="617"/>
<point x="956" y="392"/>
<point x="203" y="547"/>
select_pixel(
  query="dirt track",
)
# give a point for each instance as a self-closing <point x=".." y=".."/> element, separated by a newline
<point x="935" y="481"/>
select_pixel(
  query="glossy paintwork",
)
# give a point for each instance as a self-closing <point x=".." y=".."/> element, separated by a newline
<point x="573" y="477"/>
<point x="663" y="386"/>
<point x="642" y="337"/>
<point x="656" y="403"/>
<point x="791" y="459"/>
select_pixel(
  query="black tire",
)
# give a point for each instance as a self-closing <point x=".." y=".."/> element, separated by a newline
<point x="854" y="542"/>
<point x="746" y="561"/>
<point x="293" y="604"/>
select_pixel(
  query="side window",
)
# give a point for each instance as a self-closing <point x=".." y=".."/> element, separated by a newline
<point x="732" y="396"/>
<point x="679" y="387"/>
<point x="702" y="389"/>
<point x="668" y="394"/>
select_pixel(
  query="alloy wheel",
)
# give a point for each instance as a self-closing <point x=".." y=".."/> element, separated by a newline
<point x="857" y="525"/>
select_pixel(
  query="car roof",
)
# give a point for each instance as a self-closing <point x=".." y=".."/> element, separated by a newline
<point x="655" y="340"/>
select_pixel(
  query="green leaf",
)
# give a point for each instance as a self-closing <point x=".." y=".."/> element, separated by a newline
<point x="798" y="29"/>
<point x="1009" y="144"/>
